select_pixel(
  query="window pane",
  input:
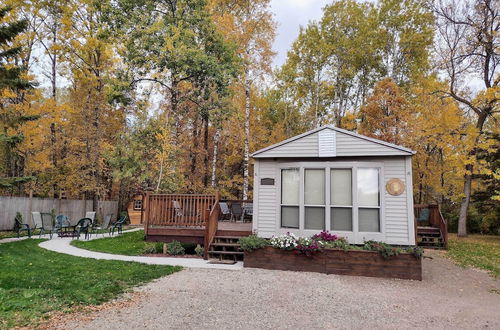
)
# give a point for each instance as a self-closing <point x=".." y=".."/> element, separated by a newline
<point x="314" y="218"/>
<point x="290" y="181"/>
<point x="341" y="219"/>
<point x="314" y="187"/>
<point x="290" y="216"/>
<point x="368" y="187"/>
<point x="340" y="185"/>
<point x="369" y="220"/>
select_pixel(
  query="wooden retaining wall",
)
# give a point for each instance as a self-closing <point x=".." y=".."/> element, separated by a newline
<point x="330" y="261"/>
<point x="74" y="209"/>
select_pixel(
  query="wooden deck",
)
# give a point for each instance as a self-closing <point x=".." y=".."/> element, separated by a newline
<point x="192" y="218"/>
<point x="168" y="234"/>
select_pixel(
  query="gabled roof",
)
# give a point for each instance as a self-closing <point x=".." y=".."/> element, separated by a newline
<point x="287" y="147"/>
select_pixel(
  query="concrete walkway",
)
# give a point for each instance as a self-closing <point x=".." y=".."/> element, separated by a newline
<point x="63" y="245"/>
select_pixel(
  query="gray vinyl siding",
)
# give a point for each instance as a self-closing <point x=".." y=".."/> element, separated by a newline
<point x="306" y="146"/>
<point x="267" y="199"/>
<point x="346" y="146"/>
<point x="396" y="207"/>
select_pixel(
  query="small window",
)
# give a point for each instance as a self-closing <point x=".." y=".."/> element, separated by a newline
<point x="314" y="199"/>
<point x="368" y="200"/>
<point x="341" y="199"/>
<point x="138" y="204"/>
<point x="290" y="185"/>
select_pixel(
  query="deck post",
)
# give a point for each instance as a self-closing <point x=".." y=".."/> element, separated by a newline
<point x="145" y="209"/>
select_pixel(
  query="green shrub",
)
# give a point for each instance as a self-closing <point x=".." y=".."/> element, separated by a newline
<point x="385" y="249"/>
<point x="152" y="248"/>
<point x="175" y="248"/>
<point x="199" y="250"/>
<point x="252" y="242"/>
<point x="339" y="243"/>
<point x="415" y="250"/>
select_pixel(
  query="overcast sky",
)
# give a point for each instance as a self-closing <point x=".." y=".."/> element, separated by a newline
<point x="290" y="14"/>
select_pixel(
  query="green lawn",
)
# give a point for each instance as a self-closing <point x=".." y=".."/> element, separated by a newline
<point x="35" y="282"/>
<point x="480" y="251"/>
<point x="9" y="234"/>
<point x="129" y="244"/>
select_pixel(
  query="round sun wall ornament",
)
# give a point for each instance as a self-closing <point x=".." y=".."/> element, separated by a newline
<point x="395" y="187"/>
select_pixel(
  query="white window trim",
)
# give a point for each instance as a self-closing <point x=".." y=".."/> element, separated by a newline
<point x="285" y="204"/>
<point x="355" y="236"/>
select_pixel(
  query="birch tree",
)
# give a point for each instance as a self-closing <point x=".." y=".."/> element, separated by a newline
<point x="250" y="25"/>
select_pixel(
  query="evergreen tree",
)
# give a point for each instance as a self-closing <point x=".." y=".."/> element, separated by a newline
<point x="13" y="85"/>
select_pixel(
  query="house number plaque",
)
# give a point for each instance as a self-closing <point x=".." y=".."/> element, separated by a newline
<point x="267" y="182"/>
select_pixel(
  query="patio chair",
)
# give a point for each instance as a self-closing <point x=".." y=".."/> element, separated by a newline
<point x="247" y="211"/>
<point x="82" y="227"/>
<point x="177" y="209"/>
<point x="104" y="225"/>
<point x="19" y="226"/>
<point x="90" y="215"/>
<point x="62" y="222"/>
<point x="118" y="225"/>
<point x="47" y="224"/>
<point x="37" y="220"/>
<point x="424" y="216"/>
<point x="236" y="211"/>
<point x="225" y="211"/>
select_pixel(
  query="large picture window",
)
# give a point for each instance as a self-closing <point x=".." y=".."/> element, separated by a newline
<point x="290" y="192"/>
<point x="339" y="196"/>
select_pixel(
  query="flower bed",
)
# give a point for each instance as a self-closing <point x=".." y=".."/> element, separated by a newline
<point x="325" y="253"/>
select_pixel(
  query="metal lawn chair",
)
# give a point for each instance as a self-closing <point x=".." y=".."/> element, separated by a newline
<point x="82" y="227"/>
<point x="118" y="225"/>
<point x="47" y="224"/>
<point x="19" y="226"/>
<point x="62" y="222"/>
<point x="225" y="211"/>
<point x="104" y="225"/>
<point x="37" y="220"/>
<point x="90" y="215"/>
<point x="236" y="211"/>
<point x="247" y="211"/>
<point x="177" y="208"/>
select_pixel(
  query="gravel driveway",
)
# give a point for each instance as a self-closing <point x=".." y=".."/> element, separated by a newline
<point x="448" y="297"/>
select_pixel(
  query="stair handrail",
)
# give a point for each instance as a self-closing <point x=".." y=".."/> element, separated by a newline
<point x="211" y="226"/>
<point x="443" y="226"/>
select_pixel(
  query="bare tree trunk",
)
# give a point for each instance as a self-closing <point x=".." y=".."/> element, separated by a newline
<point x="160" y="175"/>
<point x="246" y="152"/>
<point x="464" y="206"/>
<point x="214" y="157"/>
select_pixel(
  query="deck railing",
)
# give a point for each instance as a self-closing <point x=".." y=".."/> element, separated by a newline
<point x="178" y="210"/>
<point x="211" y="226"/>
<point x="436" y="219"/>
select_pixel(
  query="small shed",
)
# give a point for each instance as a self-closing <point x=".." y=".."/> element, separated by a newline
<point x="134" y="209"/>
<point x="332" y="179"/>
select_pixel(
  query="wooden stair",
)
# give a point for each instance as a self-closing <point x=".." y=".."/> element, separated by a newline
<point x="430" y="238"/>
<point x="225" y="249"/>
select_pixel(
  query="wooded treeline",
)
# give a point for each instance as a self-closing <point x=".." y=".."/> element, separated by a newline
<point x="103" y="99"/>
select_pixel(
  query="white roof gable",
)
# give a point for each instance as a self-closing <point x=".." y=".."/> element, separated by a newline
<point x="330" y="141"/>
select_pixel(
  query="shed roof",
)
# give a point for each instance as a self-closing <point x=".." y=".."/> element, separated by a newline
<point x="331" y="141"/>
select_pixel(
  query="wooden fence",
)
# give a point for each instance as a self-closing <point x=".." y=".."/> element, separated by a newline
<point x="74" y="209"/>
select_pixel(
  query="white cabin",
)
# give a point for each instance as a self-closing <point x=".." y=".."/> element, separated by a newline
<point x="331" y="179"/>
